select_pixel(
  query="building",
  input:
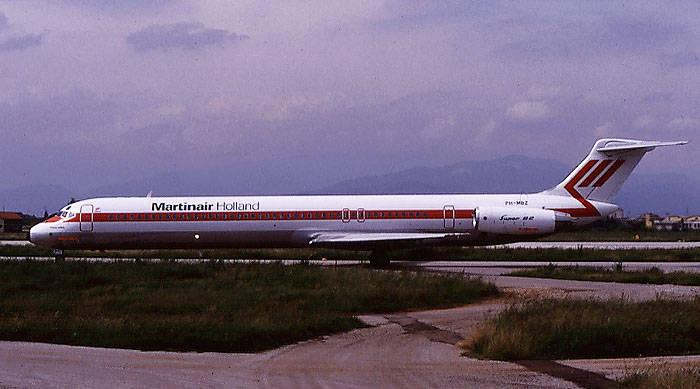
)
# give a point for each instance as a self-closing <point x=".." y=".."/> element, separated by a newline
<point x="650" y="219"/>
<point x="10" y="222"/>
<point x="691" y="223"/>
<point x="669" y="223"/>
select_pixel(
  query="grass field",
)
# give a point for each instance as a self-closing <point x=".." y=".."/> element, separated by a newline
<point x="686" y="378"/>
<point x="615" y="274"/>
<point x="592" y="235"/>
<point x="207" y="306"/>
<point x="423" y="254"/>
<point x="564" y="329"/>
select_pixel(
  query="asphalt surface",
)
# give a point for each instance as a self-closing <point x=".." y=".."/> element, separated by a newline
<point x="537" y="245"/>
<point x="399" y="350"/>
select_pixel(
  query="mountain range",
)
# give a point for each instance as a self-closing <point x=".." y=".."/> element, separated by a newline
<point x="658" y="193"/>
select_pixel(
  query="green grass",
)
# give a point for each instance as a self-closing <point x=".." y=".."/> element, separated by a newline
<point x="13" y="236"/>
<point x="685" y="378"/>
<point x="207" y="306"/>
<point x="563" y="329"/>
<point x="522" y="254"/>
<point x="591" y="235"/>
<point x="616" y="274"/>
<point x="422" y="254"/>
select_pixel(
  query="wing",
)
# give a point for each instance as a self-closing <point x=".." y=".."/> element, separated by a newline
<point x="377" y="238"/>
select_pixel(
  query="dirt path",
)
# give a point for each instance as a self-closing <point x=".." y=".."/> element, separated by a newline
<point x="399" y="350"/>
<point x="410" y="349"/>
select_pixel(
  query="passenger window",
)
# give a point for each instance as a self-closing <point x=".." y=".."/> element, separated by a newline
<point x="111" y="217"/>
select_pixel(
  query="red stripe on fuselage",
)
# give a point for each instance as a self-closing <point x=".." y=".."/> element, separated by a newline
<point x="122" y="217"/>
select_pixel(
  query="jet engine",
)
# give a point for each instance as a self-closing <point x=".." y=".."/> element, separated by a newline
<point x="514" y="220"/>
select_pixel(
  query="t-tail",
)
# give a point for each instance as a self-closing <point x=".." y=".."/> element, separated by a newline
<point x="600" y="175"/>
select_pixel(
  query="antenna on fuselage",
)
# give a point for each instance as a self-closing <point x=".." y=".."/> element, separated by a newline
<point x="149" y="194"/>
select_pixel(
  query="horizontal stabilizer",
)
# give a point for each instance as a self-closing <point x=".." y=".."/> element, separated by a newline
<point x="628" y="144"/>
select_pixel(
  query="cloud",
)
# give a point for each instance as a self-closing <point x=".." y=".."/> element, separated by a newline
<point x="604" y="130"/>
<point x="644" y="121"/>
<point x="680" y="60"/>
<point x="3" y="21"/>
<point x="576" y="39"/>
<point x="529" y="111"/>
<point x="21" y="42"/>
<point x="683" y="123"/>
<point x="631" y="34"/>
<point x="190" y="36"/>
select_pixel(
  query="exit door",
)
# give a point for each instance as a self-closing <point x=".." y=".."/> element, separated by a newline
<point x="448" y="213"/>
<point x="86" y="217"/>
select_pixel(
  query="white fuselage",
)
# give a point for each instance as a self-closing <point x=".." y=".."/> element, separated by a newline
<point x="347" y="221"/>
<point x="355" y="222"/>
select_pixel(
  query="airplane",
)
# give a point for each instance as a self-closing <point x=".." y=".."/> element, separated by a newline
<point x="358" y="222"/>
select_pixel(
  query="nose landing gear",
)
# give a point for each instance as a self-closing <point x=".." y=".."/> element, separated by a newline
<point x="59" y="255"/>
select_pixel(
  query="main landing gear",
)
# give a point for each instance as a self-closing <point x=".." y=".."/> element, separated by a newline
<point x="59" y="255"/>
<point x="378" y="259"/>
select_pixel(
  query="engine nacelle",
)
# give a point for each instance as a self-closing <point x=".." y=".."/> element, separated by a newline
<point x="514" y="221"/>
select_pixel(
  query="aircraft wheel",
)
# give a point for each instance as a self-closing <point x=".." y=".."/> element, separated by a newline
<point x="378" y="259"/>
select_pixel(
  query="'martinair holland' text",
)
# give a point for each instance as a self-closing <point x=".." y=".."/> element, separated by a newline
<point x="206" y="206"/>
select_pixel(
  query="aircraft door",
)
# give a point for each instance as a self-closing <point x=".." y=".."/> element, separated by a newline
<point x="361" y="215"/>
<point x="86" y="217"/>
<point x="448" y="213"/>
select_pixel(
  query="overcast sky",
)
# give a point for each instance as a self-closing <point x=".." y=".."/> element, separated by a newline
<point x="95" y="92"/>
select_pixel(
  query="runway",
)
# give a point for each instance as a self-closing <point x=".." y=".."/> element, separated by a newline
<point x="535" y="245"/>
<point x="397" y="350"/>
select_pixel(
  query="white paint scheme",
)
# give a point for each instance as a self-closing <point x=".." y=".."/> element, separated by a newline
<point x="357" y="221"/>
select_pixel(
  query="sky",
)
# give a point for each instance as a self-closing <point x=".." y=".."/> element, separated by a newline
<point x="99" y="92"/>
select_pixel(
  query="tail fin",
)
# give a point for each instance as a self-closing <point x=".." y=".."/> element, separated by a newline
<point x="601" y="174"/>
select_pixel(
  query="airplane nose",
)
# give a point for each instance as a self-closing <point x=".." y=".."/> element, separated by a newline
<point x="38" y="234"/>
<point x="33" y="234"/>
